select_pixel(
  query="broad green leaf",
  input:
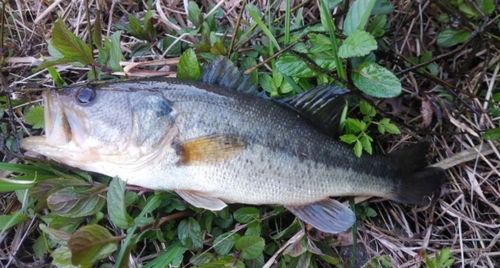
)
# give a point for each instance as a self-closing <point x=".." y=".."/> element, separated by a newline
<point x="450" y="37"/>
<point x="487" y="6"/>
<point x="376" y="80"/>
<point x="42" y="189"/>
<point x="246" y="214"/>
<point x="189" y="67"/>
<point x="468" y="10"/>
<point x="254" y="228"/>
<point x="355" y="125"/>
<point x="69" y="45"/>
<point x="392" y="129"/>
<point x="225" y="242"/>
<point x="58" y="236"/>
<point x="377" y="25"/>
<point x="382" y="7"/>
<point x="357" y="16"/>
<point x="58" y="80"/>
<point x="173" y="256"/>
<point x="61" y="258"/>
<point x="358" y="148"/>
<point x="194" y="14"/>
<point x="35" y="117"/>
<point x="366" y="142"/>
<point x="189" y="233"/>
<point x="358" y="44"/>
<point x="115" y="52"/>
<point x="367" y="109"/>
<point x="250" y="246"/>
<point x="116" y="204"/>
<point x="292" y="66"/>
<point x="71" y="202"/>
<point x="348" y="138"/>
<point x="492" y="134"/>
<point x="90" y="244"/>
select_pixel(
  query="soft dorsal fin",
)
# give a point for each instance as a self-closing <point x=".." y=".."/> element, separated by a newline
<point x="322" y="105"/>
<point x="221" y="71"/>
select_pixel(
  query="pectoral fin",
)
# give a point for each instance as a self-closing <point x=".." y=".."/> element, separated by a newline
<point x="202" y="200"/>
<point x="329" y="215"/>
<point x="208" y="149"/>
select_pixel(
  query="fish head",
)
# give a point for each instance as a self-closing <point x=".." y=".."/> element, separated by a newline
<point x="106" y="129"/>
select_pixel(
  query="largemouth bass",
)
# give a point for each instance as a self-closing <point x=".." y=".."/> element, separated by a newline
<point x="216" y="142"/>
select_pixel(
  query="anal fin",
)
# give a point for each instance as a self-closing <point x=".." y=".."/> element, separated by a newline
<point x="328" y="215"/>
<point x="201" y="200"/>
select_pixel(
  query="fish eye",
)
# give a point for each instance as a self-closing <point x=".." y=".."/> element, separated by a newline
<point x="85" y="95"/>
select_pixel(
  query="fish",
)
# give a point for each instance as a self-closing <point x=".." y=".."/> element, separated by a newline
<point x="219" y="140"/>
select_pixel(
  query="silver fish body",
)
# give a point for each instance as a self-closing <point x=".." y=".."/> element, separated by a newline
<point x="214" y="145"/>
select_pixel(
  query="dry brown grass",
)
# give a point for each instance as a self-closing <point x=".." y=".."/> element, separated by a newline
<point x="466" y="218"/>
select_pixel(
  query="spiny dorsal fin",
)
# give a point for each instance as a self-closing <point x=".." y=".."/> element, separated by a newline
<point x="322" y="105"/>
<point x="222" y="71"/>
<point x="208" y="149"/>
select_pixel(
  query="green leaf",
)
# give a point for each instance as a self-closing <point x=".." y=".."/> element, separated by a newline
<point x="376" y="81"/>
<point x="377" y="25"/>
<point x="450" y="37"/>
<point x="58" y="236"/>
<point x="69" y="45"/>
<point x="382" y="7"/>
<point x="357" y="16"/>
<point x="74" y="203"/>
<point x="246" y="214"/>
<point x="392" y="129"/>
<point x="348" y="138"/>
<point x="189" y="67"/>
<point x="250" y="246"/>
<point x="254" y="228"/>
<point x="265" y="81"/>
<point x="171" y="257"/>
<point x="115" y="52"/>
<point x="359" y="43"/>
<point x="355" y="125"/>
<point x="90" y="244"/>
<point x="116" y="204"/>
<point x="367" y="109"/>
<point x="58" y="80"/>
<point x="225" y="242"/>
<point x="292" y="66"/>
<point x="358" y="148"/>
<point x="492" y="134"/>
<point x="366" y="142"/>
<point x="487" y="6"/>
<point x="189" y="233"/>
<point x="61" y="257"/>
<point x="35" y="117"/>
<point x="194" y="14"/>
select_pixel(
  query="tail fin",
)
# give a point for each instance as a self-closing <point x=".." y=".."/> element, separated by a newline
<point x="419" y="185"/>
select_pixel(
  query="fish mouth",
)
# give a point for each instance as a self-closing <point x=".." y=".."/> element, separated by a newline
<point x="58" y="129"/>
